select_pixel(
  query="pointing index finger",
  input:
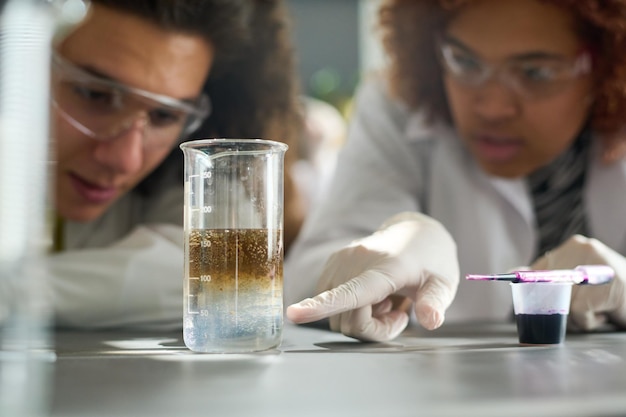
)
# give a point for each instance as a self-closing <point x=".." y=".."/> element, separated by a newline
<point x="366" y="289"/>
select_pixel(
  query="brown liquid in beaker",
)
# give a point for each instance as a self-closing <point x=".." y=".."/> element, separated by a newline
<point x="234" y="287"/>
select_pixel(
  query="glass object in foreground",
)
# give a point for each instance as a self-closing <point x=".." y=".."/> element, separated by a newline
<point x="233" y="300"/>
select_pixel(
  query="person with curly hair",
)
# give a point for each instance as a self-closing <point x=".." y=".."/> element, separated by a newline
<point x="131" y="82"/>
<point x="494" y="139"/>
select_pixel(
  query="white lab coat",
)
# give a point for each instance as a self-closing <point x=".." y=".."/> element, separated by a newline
<point x="125" y="268"/>
<point x="393" y="162"/>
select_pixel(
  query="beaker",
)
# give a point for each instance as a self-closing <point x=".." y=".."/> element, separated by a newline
<point x="233" y="219"/>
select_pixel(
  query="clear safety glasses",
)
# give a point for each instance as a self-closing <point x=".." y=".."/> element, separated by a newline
<point x="104" y="109"/>
<point x="530" y="78"/>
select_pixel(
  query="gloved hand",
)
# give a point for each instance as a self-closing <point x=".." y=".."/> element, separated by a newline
<point x="591" y="305"/>
<point x="411" y="255"/>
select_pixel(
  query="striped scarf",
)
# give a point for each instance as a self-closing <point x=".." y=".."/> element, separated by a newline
<point x="557" y="193"/>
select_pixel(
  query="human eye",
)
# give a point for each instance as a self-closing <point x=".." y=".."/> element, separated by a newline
<point x="538" y="72"/>
<point x="461" y="62"/>
<point x="162" y="117"/>
<point x="102" y="97"/>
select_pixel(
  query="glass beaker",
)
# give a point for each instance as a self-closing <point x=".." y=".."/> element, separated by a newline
<point x="233" y="289"/>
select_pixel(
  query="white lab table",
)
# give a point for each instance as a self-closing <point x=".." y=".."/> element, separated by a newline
<point x="459" y="370"/>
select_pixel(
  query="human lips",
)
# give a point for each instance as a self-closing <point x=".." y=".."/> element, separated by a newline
<point x="497" y="148"/>
<point x="92" y="192"/>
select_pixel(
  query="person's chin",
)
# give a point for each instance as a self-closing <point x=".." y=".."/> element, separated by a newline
<point x="508" y="166"/>
<point x="83" y="213"/>
<point x="504" y="170"/>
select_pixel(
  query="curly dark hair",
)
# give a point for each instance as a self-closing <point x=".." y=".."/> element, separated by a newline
<point x="252" y="85"/>
<point x="255" y="95"/>
<point x="409" y="28"/>
<point x="224" y="23"/>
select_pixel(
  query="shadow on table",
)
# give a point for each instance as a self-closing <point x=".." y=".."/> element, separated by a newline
<point x="449" y="338"/>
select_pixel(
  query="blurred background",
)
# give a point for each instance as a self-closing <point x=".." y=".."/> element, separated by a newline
<point x="336" y="43"/>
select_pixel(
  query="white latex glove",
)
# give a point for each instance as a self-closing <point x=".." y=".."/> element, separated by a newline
<point x="592" y="305"/>
<point x="411" y="255"/>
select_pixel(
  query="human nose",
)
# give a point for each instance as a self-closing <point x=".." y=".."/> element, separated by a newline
<point x="123" y="153"/>
<point x="495" y="99"/>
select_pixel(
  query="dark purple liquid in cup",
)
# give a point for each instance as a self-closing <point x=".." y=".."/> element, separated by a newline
<point x="541" y="329"/>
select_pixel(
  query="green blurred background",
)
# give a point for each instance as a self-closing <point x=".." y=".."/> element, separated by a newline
<point x="336" y="44"/>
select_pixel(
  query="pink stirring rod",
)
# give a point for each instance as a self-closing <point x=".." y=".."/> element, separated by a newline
<point x="583" y="274"/>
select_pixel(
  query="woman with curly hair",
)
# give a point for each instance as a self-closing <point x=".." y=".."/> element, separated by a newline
<point x="128" y="85"/>
<point x="494" y="140"/>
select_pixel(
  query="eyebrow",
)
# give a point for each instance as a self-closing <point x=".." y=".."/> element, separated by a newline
<point x="97" y="73"/>
<point x="526" y="56"/>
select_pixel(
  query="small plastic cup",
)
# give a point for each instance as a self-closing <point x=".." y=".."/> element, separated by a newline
<point x="541" y="310"/>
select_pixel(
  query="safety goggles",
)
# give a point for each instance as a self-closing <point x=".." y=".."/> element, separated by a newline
<point x="104" y="109"/>
<point x="530" y="78"/>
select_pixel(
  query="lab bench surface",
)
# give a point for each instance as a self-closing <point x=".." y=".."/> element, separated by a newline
<point x="458" y="370"/>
